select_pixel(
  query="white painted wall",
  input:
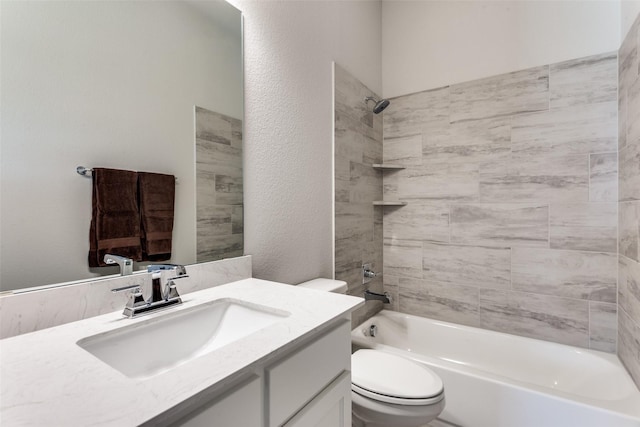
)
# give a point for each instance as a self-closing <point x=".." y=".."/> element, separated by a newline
<point x="629" y="11"/>
<point x="99" y="83"/>
<point x="289" y="48"/>
<point x="429" y="44"/>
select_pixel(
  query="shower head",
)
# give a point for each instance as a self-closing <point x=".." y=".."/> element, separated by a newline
<point x="380" y="104"/>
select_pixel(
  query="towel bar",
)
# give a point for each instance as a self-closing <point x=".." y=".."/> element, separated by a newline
<point x="81" y="170"/>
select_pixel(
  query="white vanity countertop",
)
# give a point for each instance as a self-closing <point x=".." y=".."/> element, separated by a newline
<point x="47" y="379"/>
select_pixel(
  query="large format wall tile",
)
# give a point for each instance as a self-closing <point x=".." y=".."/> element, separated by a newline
<point x="473" y="266"/>
<point x="629" y="226"/>
<point x="555" y="319"/>
<point x="219" y="186"/>
<point x="404" y="150"/>
<point x="628" y="60"/>
<point x="354" y="221"/>
<point x="411" y="113"/>
<point x="228" y="190"/>
<point x="218" y="158"/>
<point x="603" y="177"/>
<point x="584" y="81"/>
<point x="500" y="225"/>
<point x="603" y="325"/>
<point x="573" y="274"/>
<point x="629" y="181"/>
<point x="485" y="143"/>
<point x="633" y="112"/>
<point x="403" y="258"/>
<point x="358" y="225"/>
<point x="517" y="161"/>
<point x="217" y="247"/>
<point x="365" y="183"/>
<point x="583" y="226"/>
<point x="213" y="127"/>
<point x="629" y="344"/>
<point x="629" y="202"/>
<point x="629" y="286"/>
<point x="442" y="181"/>
<point x="517" y="92"/>
<point x="453" y="303"/>
<point x="539" y="178"/>
<point x="579" y="129"/>
<point x="349" y="97"/>
<point x="419" y="220"/>
<point x="628" y="68"/>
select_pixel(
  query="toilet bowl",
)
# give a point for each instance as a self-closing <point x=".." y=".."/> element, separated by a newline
<point x="388" y="390"/>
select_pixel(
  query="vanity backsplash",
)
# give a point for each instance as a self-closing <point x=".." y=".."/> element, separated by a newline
<point x="30" y="311"/>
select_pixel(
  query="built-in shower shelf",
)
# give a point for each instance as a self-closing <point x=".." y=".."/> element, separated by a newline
<point x="387" y="166"/>
<point x="388" y="203"/>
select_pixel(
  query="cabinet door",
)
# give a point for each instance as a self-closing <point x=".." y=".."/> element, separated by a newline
<point x="297" y="379"/>
<point x="331" y="408"/>
<point x="238" y="407"/>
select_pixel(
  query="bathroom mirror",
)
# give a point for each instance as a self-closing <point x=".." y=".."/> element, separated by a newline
<point x="116" y="85"/>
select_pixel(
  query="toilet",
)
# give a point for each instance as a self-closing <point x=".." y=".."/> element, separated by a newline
<point x="388" y="390"/>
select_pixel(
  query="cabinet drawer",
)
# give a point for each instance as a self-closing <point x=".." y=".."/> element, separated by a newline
<point x="298" y="378"/>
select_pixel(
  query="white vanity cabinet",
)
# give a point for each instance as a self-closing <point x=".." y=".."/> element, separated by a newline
<point x="309" y="386"/>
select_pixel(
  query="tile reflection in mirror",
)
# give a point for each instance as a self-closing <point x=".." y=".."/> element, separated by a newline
<point x="218" y="185"/>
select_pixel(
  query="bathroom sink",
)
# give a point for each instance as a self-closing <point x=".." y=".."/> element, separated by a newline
<point x="146" y="349"/>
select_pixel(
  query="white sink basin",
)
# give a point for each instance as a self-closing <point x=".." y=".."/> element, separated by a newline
<point x="146" y="349"/>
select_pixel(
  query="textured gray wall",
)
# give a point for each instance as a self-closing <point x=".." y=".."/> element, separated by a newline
<point x="288" y="139"/>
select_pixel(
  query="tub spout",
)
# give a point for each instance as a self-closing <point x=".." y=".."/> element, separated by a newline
<point x="369" y="296"/>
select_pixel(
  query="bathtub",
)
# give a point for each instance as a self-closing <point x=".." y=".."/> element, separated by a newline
<point x="493" y="379"/>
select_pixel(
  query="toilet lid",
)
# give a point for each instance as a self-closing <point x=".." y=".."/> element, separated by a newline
<point x="387" y="377"/>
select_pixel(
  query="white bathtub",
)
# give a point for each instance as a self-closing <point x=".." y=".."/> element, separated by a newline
<point x="493" y="379"/>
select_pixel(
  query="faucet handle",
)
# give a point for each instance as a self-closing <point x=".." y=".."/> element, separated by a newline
<point x="369" y="274"/>
<point x="136" y="299"/>
<point x="171" y="291"/>
<point x="135" y="289"/>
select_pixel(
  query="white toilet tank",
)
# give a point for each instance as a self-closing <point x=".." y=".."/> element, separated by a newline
<point x="327" y="285"/>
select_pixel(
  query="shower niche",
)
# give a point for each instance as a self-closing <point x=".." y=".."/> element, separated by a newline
<point x="388" y="167"/>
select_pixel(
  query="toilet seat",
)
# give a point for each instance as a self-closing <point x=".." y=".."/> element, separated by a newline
<point x="396" y="400"/>
<point x="388" y="378"/>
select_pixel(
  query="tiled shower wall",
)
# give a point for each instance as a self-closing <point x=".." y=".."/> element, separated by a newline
<point x="511" y="183"/>
<point x="219" y="214"/>
<point x="358" y="224"/>
<point x="629" y="203"/>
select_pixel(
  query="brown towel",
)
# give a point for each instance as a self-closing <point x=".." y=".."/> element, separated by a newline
<point x="115" y="221"/>
<point x="157" y="195"/>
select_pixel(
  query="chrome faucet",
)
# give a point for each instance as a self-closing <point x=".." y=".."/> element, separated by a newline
<point x="170" y="291"/>
<point x="137" y="304"/>
<point x="126" y="264"/>
<point x="373" y="296"/>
